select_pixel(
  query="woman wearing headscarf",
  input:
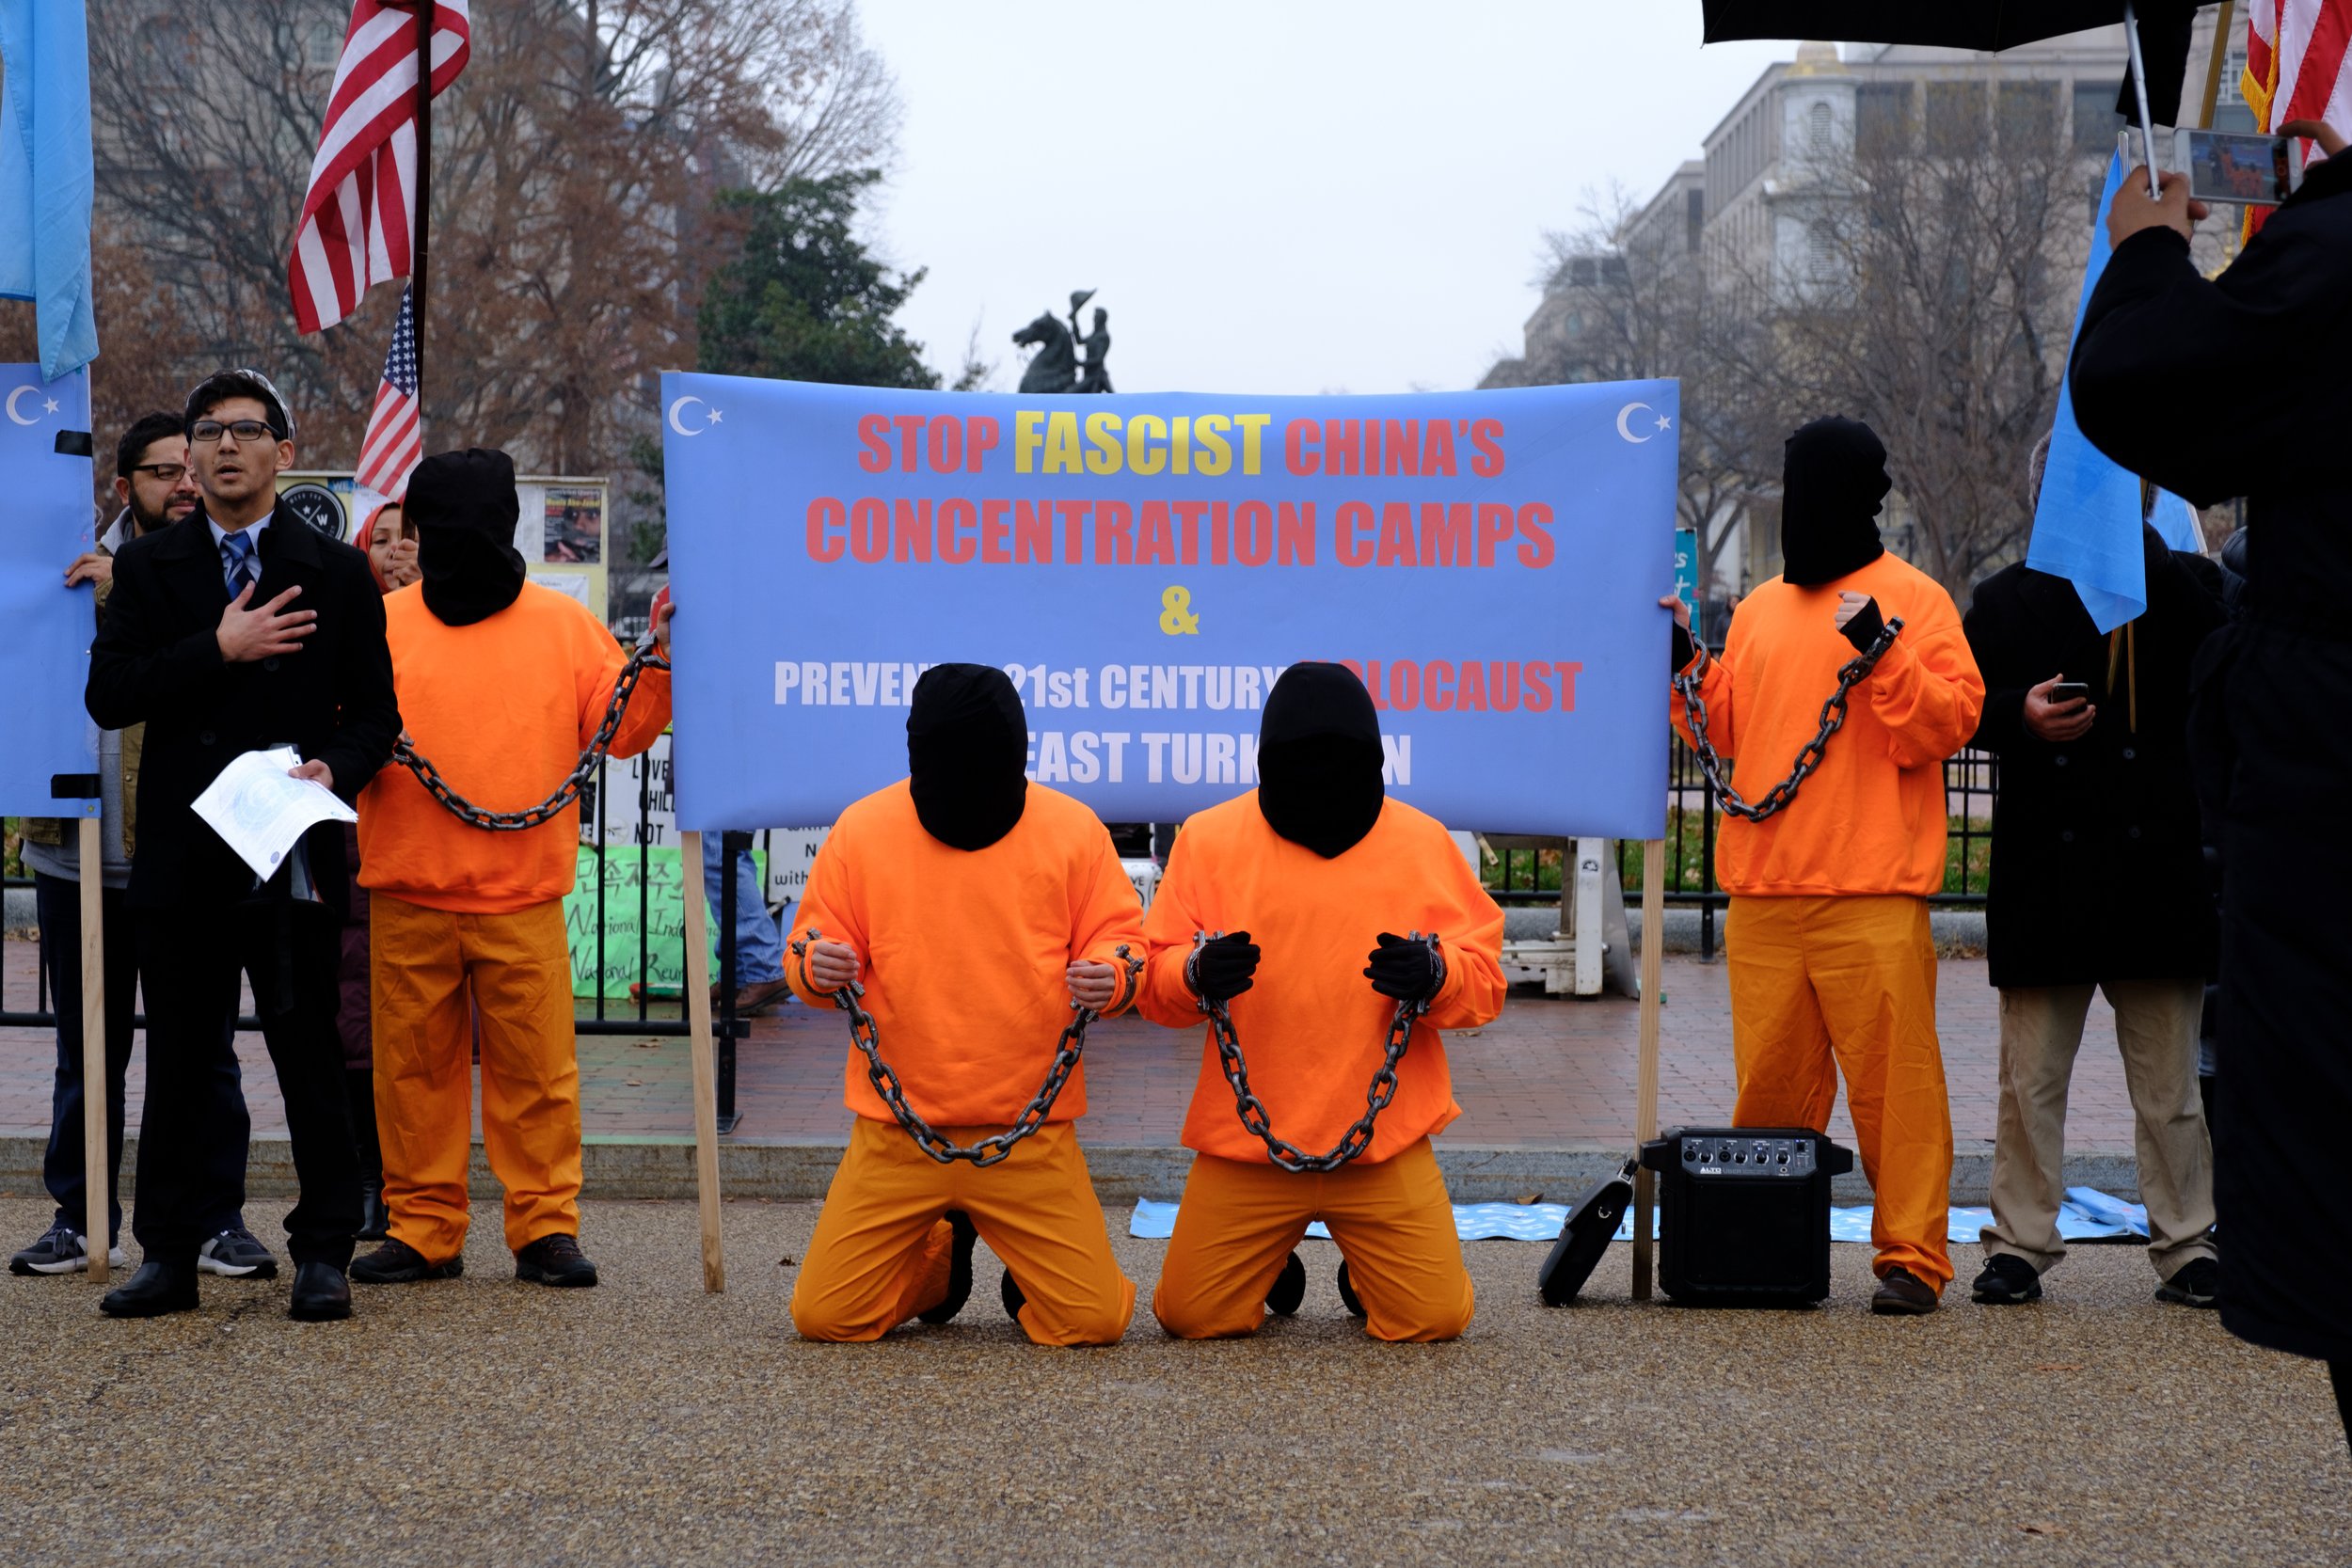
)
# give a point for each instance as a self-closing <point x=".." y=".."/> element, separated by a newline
<point x="1831" y="961"/>
<point x="1329" y="904"/>
<point x="507" y="684"/>
<point x="2234" y="386"/>
<point x="977" y="910"/>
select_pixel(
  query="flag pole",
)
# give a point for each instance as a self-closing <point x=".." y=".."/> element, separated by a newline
<point x="2213" y="67"/>
<point x="2140" y="87"/>
<point x="421" y="212"/>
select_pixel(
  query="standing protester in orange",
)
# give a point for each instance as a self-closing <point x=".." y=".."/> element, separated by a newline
<point x="1832" y="964"/>
<point x="1315" y="873"/>
<point x="977" y="910"/>
<point x="506" y="684"/>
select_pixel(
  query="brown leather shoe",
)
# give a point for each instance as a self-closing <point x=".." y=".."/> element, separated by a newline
<point x="753" y="999"/>
<point x="1903" y="1294"/>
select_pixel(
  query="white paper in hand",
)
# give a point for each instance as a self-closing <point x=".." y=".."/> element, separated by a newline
<point x="260" y="809"/>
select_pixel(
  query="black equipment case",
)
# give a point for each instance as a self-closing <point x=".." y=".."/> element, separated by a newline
<point x="1584" y="1237"/>
<point x="1744" y="1214"/>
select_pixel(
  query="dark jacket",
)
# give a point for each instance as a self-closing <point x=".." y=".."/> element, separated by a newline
<point x="2097" y="862"/>
<point x="155" y="661"/>
<point x="2224" y="386"/>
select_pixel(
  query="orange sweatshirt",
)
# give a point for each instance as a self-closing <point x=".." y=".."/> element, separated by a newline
<point x="1310" y="1026"/>
<point x="964" y="952"/>
<point x="1870" y="819"/>
<point x="503" y="708"/>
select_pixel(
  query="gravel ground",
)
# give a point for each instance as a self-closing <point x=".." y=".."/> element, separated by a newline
<point x="483" y="1421"/>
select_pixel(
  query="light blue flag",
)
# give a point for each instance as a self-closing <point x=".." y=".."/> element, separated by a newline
<point x="2086" y="527"/>
<point x="45" y="178"/>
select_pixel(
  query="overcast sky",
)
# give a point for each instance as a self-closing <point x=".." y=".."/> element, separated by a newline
<point x="1278" y="196"/>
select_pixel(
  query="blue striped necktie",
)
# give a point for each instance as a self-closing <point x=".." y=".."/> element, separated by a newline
<point x="236" y="559"/>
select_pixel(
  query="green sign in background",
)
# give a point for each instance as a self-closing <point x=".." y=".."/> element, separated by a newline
<point x="666" y="880"/>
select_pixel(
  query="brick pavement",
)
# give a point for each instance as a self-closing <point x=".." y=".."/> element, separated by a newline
<point x="1551" y="1073"/>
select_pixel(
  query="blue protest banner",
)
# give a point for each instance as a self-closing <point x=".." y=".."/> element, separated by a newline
<point x="1144" y="566"/>
<point x="45" y="655"/>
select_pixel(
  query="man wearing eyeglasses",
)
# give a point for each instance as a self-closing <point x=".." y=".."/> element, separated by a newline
<point x="156" y="488"/>
<point x="236" y="629"/>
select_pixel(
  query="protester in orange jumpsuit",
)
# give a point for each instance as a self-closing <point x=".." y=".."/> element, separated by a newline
<point x="1831" y="963"/>
<point x="977" y="909"/>
<point x="506" y="684"/>
<point x="1315" y="874"/>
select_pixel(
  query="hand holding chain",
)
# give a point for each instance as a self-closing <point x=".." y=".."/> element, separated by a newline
<point x="1851" y="675"/>
<point x="405" y="753"/>
<point x="1253" y="1110"/>
<point x="988" y="1150"/>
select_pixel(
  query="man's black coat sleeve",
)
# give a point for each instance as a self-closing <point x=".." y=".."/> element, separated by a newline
<point x="367" y="720"/>
<point x="2199" y="385"/>
<point x="2001" y="725"/>
<point x="132" y="678"/>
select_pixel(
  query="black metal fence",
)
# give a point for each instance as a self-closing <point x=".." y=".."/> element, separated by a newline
<point x="645" y="1015"/>
<point x="1972" y="780"/>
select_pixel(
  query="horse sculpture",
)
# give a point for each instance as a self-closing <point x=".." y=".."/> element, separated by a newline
<point x="1055" y="367"/>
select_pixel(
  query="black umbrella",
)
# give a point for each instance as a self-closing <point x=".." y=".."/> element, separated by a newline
<point x="2157" y="31"/>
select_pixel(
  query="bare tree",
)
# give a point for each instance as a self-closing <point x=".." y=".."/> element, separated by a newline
<point x="1925" y="282"/>
<point x="576" y="167"/>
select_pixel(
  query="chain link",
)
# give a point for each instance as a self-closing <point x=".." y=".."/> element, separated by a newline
<point x="1253" y="1110"/>
<point x="1851" y="675"/>
<point x="988" y="1150"/>
<point x="405" y="753"/>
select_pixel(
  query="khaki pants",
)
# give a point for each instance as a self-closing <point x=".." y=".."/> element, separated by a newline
<point x="2155" y="1026"/>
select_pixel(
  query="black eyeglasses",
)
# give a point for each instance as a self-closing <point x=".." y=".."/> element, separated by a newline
<point x="210" y="431"/>
<point x="168" y="473"/>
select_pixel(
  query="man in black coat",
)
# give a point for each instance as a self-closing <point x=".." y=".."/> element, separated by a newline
<point x="2098" y="883"/>
<point x="237" y="629"/>
<point x="2235" y="386"/>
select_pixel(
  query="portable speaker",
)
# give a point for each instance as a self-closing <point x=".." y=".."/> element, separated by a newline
<point x="1743" y="1214"/>
<point x="1584" y="1237"/>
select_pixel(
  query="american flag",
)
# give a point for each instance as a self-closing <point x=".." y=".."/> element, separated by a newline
<point x="354" y="231"/>
<point x="2296" y="67"/>
<point x="395" y="438"/>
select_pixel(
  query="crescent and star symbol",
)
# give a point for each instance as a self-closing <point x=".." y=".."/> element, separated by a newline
<point x="678" y="415"/>
<point x="1661" y="424"/>
<point x="49" y="405"/>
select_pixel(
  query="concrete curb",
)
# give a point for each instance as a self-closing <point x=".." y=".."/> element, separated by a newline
<point x="786" y="1170"/>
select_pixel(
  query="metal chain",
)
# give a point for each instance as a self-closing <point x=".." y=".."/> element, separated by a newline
<point x="988" y="1150"/>
<point x="405" y="753"/>
<point x="1253" y="1110"/>
<point x="1851" y="675"/>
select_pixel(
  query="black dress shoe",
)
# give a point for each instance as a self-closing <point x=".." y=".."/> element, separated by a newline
<point x="1348" y="1298"/>
<point x="320" y="1294"/>
<point x="375" y="1218"/>
<point x="158" y="1287"/>
<point x="959" y="1271"/>
<point x="1289" y="1287"/>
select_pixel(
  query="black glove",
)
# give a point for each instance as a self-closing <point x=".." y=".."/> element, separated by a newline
<point x="1219" y="969"/>
<point x="1684" y="649"/>
<point x="1408" y="969"/>
<point x="1864" y="627"/>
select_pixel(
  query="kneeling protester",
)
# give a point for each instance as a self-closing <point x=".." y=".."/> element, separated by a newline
<point x="1328" y="932"/>
<point x="984" y="921"/>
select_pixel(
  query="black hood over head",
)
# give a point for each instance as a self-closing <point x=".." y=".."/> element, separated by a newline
<point x="967" y="742"/>
<point x="1319" y="759"/>
<point x="1833" y="481"/>
<point x="465" y="506"/>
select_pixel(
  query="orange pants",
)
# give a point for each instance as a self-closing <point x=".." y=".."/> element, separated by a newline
<point x="1240" y="1219"/>
<point x="422" y="963"/>
<point x="881" y="1252"/>
<point x="1819" y="984"/>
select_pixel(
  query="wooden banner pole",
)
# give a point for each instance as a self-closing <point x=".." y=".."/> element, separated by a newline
<point x="97" y="1228"/>
<point x="705" y="1065"/>
<point x="1646" y="1091"/>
